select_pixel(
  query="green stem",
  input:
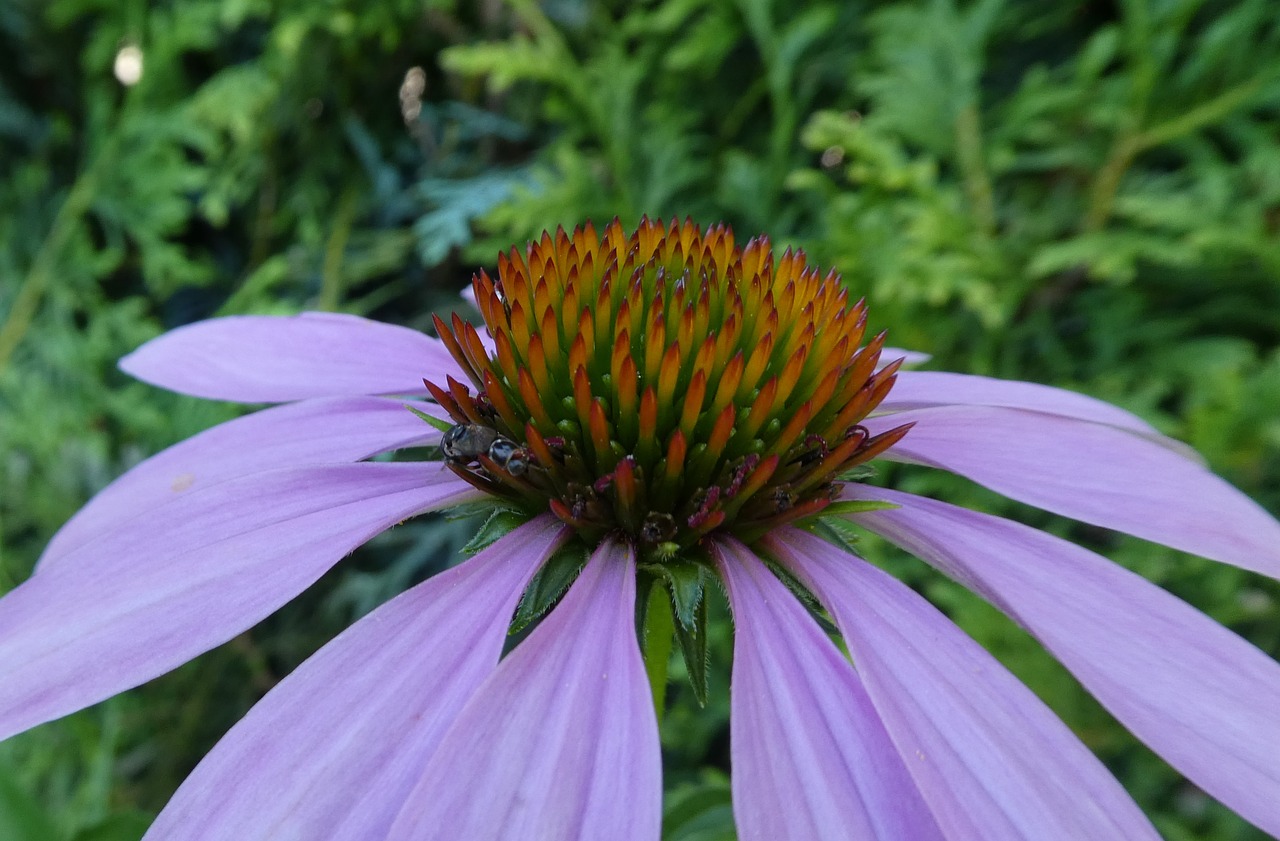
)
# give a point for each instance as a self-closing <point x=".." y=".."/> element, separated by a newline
<point x="1132" y="143"/>
<point x="335" y="249"/>
<point x="1203" y="114"/>
<point x="977" y="181"/>
<point x="1103" y="195"/>
<point x="659" y="628"/>
<point x="27" y="301"/>
<point x="263" y="226"/>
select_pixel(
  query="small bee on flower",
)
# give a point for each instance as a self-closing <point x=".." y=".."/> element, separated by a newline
<point x="465" y="443"/>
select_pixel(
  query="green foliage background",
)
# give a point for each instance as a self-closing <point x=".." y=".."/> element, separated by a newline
<point x="1081" y="193"/>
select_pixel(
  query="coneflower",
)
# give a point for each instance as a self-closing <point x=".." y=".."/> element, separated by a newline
<point x="648" y="414"/>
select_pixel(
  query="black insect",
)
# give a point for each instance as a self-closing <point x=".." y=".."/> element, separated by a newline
<point x="466" y="442"/>
<point x="509" y="455"/>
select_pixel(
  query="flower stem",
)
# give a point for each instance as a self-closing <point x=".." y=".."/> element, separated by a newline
<point x="658" y="630"/>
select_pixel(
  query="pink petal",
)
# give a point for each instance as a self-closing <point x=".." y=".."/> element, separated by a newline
<point x="926" y="389"/>
<point x="273" y="359"/>
<point x="561" y="742"/>
<point x="992" y="761"/>
<point x="1199" y="695"/>
<point x="326" y="431"/>
<point x="810" y="756"/>
<point x="334" y="750"/>
<point x="1094" y="473"/>
<point x="147" y="597"/>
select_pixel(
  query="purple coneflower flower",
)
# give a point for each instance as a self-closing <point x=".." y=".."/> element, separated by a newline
<point x="673" y="409"/>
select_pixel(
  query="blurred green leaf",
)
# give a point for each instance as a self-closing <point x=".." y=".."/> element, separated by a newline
<point x="21" y="817"/>
<point x="130" y="826"/>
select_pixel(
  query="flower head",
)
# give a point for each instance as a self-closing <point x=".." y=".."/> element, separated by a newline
<point x="679" y="409"/>
<point x="664" y="385"/>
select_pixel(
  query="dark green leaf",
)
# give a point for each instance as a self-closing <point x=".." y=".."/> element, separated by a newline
<point x="499" y="524"/>
<point x="693" y="646"/>
<point x="856" y="506"/>
<point x="686" y="582"/>
<point x="442" y="425"/>
<point x="476" y="508"/>
<point x="548" y="584"/>
<point x="836" y="531"/>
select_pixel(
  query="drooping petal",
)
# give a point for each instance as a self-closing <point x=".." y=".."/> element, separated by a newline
<point x="810" y="756"/>
<point x="926" y="389"/>
<point x="992" y="761"/>
<point x="273" y="359"/>
<point x="561" y="741"/>
<point x="333" y="750"/>
<point x="324" y="431"/>
<point x="1094" y="473"/>
<point x="1200" y="696"/>
<point x="140" y="600"/>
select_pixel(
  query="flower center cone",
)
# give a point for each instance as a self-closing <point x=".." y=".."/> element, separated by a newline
<point x="663" y="384"/>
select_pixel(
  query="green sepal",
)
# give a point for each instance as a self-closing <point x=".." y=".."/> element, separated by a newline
<point x="797" y="589"/>
<point x="477" y="508"/>
<point x="686" y="583"/>
<point x="442" y="425"/>
<point x="832" y="526"/>
<point x="656" y="628"/>
<point x="857" y="506"/>
<point x="549" y="584"/>
<point x="859" y="474"/>
<point x="836" y="531"/>
<point x="500" y="523"/>
<point x="693" y="646"/>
